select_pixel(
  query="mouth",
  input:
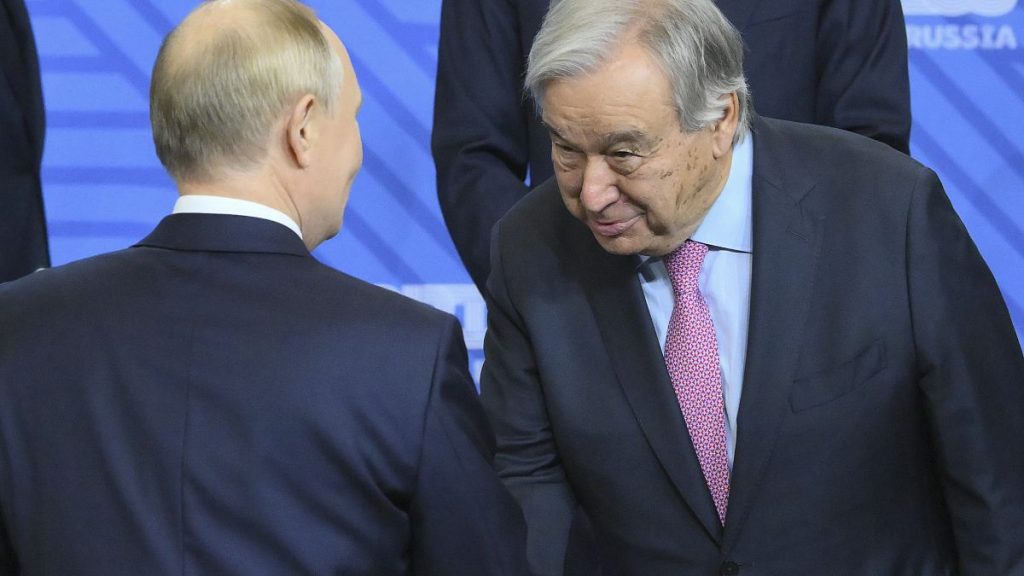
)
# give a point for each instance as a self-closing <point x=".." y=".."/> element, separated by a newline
<point x="612" y="228"/>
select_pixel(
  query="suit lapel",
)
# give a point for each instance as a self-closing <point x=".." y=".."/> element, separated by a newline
<point x="786" y="249"/>
<point x="624" y="321"/>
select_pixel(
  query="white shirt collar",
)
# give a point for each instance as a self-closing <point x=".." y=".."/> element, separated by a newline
<point x="201" y="204"/>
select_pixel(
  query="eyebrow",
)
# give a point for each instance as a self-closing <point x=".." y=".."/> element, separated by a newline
<point x="627" y="136"/>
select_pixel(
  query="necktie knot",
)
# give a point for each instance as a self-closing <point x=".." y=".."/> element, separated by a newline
<point x="683" y="265"/>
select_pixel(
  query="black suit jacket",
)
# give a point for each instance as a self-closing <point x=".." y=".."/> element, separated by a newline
<point x="215" y="401"/>
<point x="23" y="246"/>
<point x="839" y="63"/>
<point x="881" y="423"/>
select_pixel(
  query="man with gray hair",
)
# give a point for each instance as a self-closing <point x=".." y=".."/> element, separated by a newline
<point x="215" y="401"/>
<point x="740" y="345"/>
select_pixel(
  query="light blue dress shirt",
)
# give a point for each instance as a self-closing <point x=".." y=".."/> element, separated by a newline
<point x="724" y="280"/>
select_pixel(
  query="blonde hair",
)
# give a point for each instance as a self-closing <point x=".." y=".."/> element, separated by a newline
<point x="214" y="97"/>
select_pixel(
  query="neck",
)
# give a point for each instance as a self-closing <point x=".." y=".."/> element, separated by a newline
<point x="260" y="186"/>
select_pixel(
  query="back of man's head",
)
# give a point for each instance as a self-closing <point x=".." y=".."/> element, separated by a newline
<point x="227" y="74"/>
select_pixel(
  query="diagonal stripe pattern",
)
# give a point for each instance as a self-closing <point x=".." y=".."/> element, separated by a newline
<point x="691" y="356"/>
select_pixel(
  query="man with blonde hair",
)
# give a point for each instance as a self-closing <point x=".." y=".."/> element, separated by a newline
<point x="213" y="400"/>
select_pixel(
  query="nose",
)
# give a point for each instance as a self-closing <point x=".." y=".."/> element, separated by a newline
<point x="599" y="190"/>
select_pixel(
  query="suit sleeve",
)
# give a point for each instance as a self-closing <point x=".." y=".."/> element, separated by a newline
<point x="971" y="373"/>
<point x="480" y="134"/>
<point x="464" y="521"/>
<point x="863" y="82"/>
<point x="23" y="241"/>
<point x="527" y="458"/>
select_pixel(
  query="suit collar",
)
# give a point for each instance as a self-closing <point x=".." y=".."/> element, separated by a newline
<point x="223" y="233"/>
<point x="774" y="165"/>
<point x="207" y="204"/>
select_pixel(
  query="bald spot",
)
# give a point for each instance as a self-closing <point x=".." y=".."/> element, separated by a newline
<point x="205" y="27"/>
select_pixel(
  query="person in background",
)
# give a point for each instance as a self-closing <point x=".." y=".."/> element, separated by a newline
<point x="23" y="243"/>
<point x="740" y="345"/>
<point x="840" y="63"/>
<point x="213" y="400"/>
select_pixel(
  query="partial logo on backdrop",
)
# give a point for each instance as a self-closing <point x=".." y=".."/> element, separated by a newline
<point x="960" y="24"/>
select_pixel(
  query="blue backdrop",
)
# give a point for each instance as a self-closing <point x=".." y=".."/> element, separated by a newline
<point x="104" y="187"/>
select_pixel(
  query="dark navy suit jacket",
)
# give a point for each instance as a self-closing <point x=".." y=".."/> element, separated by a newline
<point x="839" y="63"/>
<point x="23" y="245"/>
<point x="881" y="424"/>
<point x="215" y="401"/>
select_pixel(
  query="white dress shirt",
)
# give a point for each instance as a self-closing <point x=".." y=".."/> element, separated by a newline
<point x="200" y="204"/>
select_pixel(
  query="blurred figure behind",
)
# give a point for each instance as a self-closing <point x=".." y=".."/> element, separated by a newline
<point x="23" y="243"/>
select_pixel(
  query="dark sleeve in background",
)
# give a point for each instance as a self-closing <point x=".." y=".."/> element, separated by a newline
<point x="864" y="83"/>
<point x="485" y="134"/>
<point x="23" y="244"/>
<point x="840" y="63"/>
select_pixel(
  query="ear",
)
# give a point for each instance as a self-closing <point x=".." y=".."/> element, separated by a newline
<point x="300" y="130"/>
<point x="724" y="129"/>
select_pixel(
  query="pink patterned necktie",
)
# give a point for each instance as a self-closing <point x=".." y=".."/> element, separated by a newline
<point x="691" y="356"/>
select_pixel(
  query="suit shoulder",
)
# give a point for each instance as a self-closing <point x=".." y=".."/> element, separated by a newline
<point x="39" y="285"/>
<point x="50" y="297"/>
<point x="849" y="172"/>
<point x="371" y="300"/>
<point x="827" y="151"/>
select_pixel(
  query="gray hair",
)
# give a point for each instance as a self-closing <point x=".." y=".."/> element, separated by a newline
<point x="214" y="100"/>
<point x="699" y="50"/>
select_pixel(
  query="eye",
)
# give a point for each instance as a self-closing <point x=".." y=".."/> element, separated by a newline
<point x="624" y="154"/>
